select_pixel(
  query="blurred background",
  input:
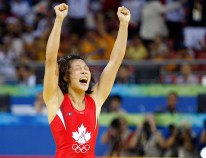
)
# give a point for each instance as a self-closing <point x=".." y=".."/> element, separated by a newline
<point x="158" y="103"/>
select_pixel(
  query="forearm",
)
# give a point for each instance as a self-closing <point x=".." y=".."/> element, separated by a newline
<point x="169" y="142"/>
<point x="133" y="141"/>
<point x="159" y="139"/>
<point x="105" y="138"/>
<point x="119" y="48"/>
<point x="54" y="40"/>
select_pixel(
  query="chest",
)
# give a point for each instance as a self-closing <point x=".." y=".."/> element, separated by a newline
<point x="75" y="119"/>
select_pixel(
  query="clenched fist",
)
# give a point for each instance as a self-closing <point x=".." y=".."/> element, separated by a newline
<point x="61" y="11"/>
<point x="123" y="15"/>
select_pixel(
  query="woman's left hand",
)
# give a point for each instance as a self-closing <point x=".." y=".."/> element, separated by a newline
<point x="123" y="15"/>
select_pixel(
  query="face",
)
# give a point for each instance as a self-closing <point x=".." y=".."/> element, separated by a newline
<point x="137" y="41"/>
<point x="24" y="72"/>
<point x="114" y="104"/>
<point x="80" y="75"/>
<point x="123" y="72"/>
<point x="172" y="101"/>
<point x="186" y="69"/>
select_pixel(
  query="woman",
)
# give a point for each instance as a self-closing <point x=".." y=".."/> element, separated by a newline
<point x="74" y="108"/>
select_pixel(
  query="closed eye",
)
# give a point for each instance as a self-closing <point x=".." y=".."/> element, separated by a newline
<point x="86" y="68"/>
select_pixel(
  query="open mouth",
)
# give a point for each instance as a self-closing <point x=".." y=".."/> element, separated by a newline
<point x="83" y="80"/>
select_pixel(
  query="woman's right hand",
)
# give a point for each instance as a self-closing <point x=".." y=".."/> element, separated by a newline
<point x="61" y="11"/>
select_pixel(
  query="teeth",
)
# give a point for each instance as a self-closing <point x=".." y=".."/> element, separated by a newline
<point x="83" y="78"/>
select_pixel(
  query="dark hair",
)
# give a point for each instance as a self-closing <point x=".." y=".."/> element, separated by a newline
<point x="173" y="93"/>
<point x="64" y="64"/>
<point x="147" y="129"/>
<point x="118" y="97"/>
<point x="24" y="66"/>
<point x="115" y="123"/>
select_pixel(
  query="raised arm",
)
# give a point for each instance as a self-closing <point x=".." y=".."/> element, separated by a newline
<point x="51" y="89"/>
<point x="107" y="78"/>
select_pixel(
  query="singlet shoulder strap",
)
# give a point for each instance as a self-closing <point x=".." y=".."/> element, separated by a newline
<point x="90" y="99"/>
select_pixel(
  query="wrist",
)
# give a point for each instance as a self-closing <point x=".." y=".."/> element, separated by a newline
<point x="59" y="19"/>
<point x="124" y="24"/>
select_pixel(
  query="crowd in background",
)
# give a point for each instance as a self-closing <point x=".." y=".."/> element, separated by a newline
<point x="159" y="30"/>
<point x="149" y="141"/>
<point x="146" y="139"/>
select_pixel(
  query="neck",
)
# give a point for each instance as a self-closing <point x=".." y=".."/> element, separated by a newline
<point x="77" y="99"/>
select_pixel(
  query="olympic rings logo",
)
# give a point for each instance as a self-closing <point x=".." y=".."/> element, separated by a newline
<point x="80" y="148"/>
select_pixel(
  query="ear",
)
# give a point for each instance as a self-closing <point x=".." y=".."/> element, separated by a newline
<point x="66" y="79"/>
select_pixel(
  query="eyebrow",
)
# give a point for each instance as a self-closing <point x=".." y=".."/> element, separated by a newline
<point x="81" y="66"/>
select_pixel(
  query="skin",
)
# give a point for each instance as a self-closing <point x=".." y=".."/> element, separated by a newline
<point x="53" y="96"/>
<point x="172" y="101"/>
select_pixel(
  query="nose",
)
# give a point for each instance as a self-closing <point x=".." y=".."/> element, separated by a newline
<point x="84" y="72"/>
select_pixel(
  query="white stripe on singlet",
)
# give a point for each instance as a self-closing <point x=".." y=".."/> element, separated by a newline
<point x="96" y="121"/>
<point x="59" y="113"/>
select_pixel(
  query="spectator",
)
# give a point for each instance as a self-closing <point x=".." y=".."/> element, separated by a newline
<point x="20" y="8"/>
<point x="175" y="19"/>
<point x="171" y="106"/>
<point x="92" y="45"/>
<point x="188" y="144"/>
<point x="110" y="21"/>
<point x="184" y="53"/>
<point x="13" y="35"/>
<point x="181" y="142"/>
<point x="194" y="38"/>
<point x="41" y="25"/>
<point x="135" y="8"/>
<point x="7" y="69"/>
<point x="25" y="75"/>
<point x="72" y="44"/>
<point x="196" y="15"/>
<point x="39" y="105"/>
<point x="158" y="48"/>
<point x="181" y="53"/>
<point x="124" y="76"/>
<point x="147" y="140"/>
<point x="202" y="139"/>
<point x="29" y="42"/>
<point x="172" y="142"/>
<point x="28" y="35"/>
<point x="108" y="39"/>
<point x="38" y="108"/>
<point x="114" y="105"/>
<point x="187" y="76"/>
<point x="136" y="49"/>
<point x="117" y="137"/>
<point x="152" y="22"/>
<point x="78" y="12"/>
<point x="38" y="51"/>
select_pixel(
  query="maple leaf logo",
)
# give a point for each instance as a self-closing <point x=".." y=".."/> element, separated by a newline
<point x="81" y="136"/>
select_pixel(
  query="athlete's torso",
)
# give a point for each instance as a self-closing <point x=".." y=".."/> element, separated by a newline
<point x="75" y="131"/>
